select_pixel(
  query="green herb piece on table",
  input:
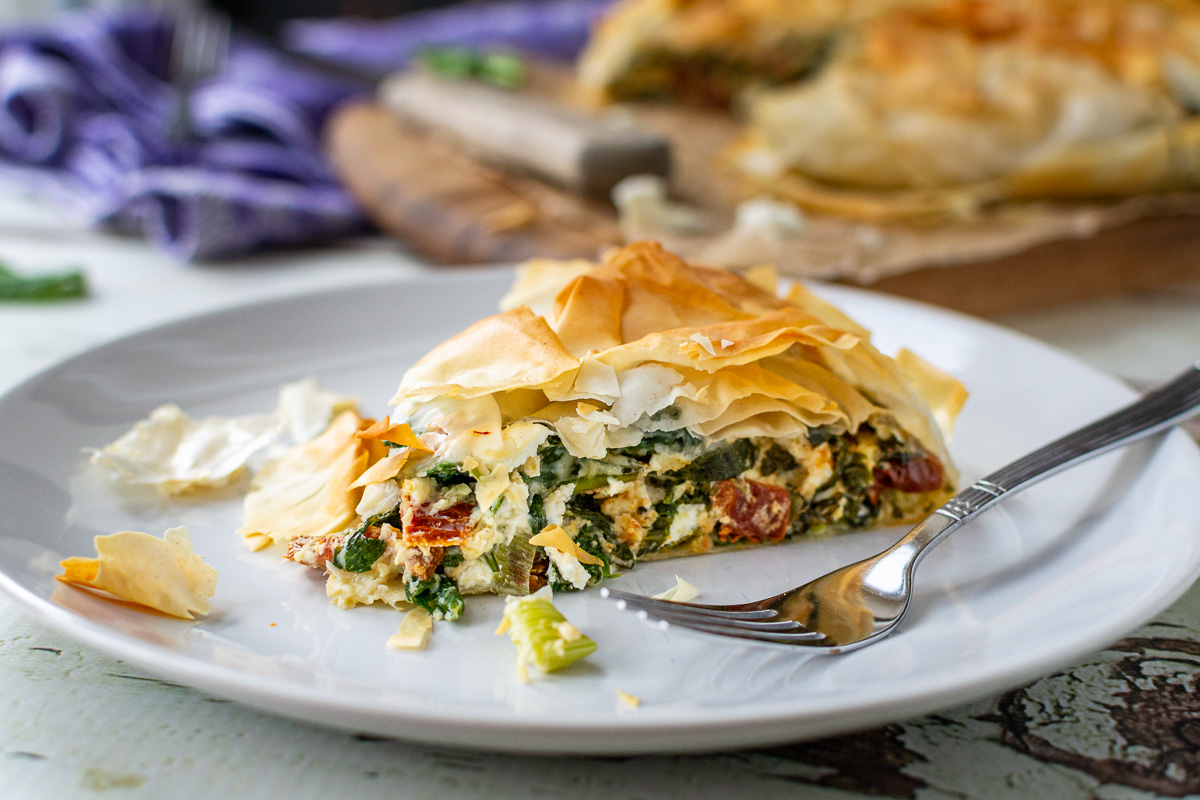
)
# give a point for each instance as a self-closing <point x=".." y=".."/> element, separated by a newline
<point x="541" y="633"/>
<point x="450" y="63"/>
<point x="498" y="68"/>
<point x="46" y="287"/>
<point x="502" y="69"/>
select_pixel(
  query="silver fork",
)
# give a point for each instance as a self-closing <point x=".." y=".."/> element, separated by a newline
<point x="199" y="50"/>
<point x="865" y="601"/>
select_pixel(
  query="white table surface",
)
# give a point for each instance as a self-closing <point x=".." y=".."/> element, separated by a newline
<point x="75" y="723"/>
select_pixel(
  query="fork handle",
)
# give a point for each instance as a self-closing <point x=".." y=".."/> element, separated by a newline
<point x="1155" y="411"/>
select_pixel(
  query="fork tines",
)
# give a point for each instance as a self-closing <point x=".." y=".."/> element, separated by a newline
<point x="754" y="624"/>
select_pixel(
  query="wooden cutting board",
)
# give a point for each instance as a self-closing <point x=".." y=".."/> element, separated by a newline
<point x="452" y="207"/>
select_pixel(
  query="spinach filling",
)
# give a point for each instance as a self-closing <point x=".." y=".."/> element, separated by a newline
<point x="666" y="509"/>
<point x="843" y="499"/>
<point x="720" y="463"/>
<point x="847" y="500"/>
<point x="359" y="552"/>
<point x="437" y="595"/>
<point x="595" y="532"/>
<point x="447" y="474"/>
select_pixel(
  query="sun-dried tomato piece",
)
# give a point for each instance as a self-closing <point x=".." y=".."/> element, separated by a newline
<point x="441" y="528"/>
<point x="749" y="511"/>
<point x="908" y="472"/>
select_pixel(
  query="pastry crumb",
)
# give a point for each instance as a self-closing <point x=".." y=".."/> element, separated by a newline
<point x="681" y="592"/>
<point x="414" y="631"/>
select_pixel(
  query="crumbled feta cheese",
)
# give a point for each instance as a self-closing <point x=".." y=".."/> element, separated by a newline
<point x="379" y="585"/>
<point x="568" y="558"/>
<point x="501" y="527"/>
<point x="689" y="518"/>
<point x="668" y="462"/>
<point x="472" y="577"/>
<point x="569" y="568"/>
<point x="491" y="486"/>
<point x="556" y="504"/>
<point x="419" y="490"/>
<point x="818" y="469"/>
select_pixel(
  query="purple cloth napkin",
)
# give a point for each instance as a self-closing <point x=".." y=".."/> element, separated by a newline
<point x="85" y="103"/>
<point x="551" y="28"/>
<point x="84" y="109"/>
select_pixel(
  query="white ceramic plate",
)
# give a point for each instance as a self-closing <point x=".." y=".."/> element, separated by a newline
<point x="1055" y="573"/>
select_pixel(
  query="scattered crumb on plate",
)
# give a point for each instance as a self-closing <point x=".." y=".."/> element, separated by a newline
<point x="414" y="631"/>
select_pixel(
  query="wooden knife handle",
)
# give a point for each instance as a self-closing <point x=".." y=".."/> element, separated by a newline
<point x="449" y="207"/>
<point x="583" y="153"/>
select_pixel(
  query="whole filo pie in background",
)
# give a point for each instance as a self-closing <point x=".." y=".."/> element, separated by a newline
<point x="637" y="409"/>
<point x="925" y="111"/>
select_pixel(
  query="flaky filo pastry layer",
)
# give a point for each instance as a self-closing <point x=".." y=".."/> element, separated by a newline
<point x="601" y="355"/>
<point x="932" y="111"/>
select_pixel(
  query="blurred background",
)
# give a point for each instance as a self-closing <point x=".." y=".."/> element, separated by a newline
<point x="264" y="17"/>
<point x="989" y="155"/>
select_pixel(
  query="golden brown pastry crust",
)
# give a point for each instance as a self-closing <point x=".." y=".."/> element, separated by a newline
<point x="926" y="111"/>
<point x="310" y="491"/>
<point x="644" y="331"/>
<point x="932" y="112"/>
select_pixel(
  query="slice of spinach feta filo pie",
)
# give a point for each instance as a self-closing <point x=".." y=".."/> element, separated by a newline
<point x="642" y="408"/>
